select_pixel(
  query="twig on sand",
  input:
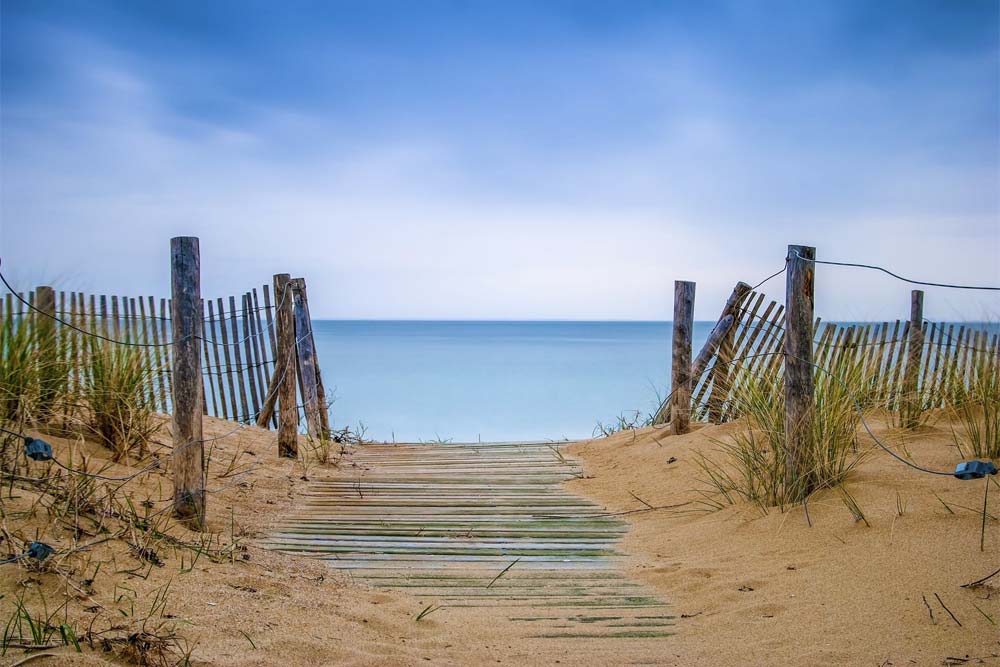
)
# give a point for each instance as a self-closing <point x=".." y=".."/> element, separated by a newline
<point x="980" y="582"/>
<point x="502" y="572"/>
<point x="941" y="602"/>
<point x="929" y="610"/>
<point x="640" y="500"/>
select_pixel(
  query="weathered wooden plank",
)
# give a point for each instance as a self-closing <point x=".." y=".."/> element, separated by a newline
<point x="238" y="362"/>
<point x="306" y="362"/>
<point x="284" y="380"/>
<point x="208" y="364"/>
<point x="248" y="349"/>
<point x="214" y="335"/>
<point x="227" y="356"/>
<point x="324" y="416"/>
<point x="260" y="345"/>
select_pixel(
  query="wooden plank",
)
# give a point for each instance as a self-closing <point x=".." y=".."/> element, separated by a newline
<point x="260" y="345"/>
<point x="248" y="349"/>
<point x="935" y="380"/>
<point x="955" y="370"/>
<point x="116" y="323"/>
<point x="158" y="354"/>
<point x="324" y="416"/>
<point x="270" y="323"/>
<point x="285" y="361"/>
<point x="188" y="454"/>
<point x="963" y="369"/>
<point x="48" y="348"/>
<point x="167" y="350"/>
<point x="718" y="377"/>
<point x="213" y="334"/>
<point x="722" y="329"/>
<point x="227" y="356"/>
<point x="306" y="362"/>
<point x="238" y="362"/>
<point x="208" y="363"/>
<point x="885" y="385"/>
<point x="150" y="352"/>
<point x="105" y="324"/>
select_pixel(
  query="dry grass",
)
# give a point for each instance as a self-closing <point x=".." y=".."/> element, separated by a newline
<point x="114" y="393"/>
<point x="751" y="465"/>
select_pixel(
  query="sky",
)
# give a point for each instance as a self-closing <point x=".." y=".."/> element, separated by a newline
<point x="505" y="160"/>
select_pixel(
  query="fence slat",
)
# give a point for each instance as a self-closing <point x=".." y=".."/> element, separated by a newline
<point x="207" y="372"/>
<point x="214" y="336"/>
<point x="229" y="363"/>
<point x="248" y="349"/>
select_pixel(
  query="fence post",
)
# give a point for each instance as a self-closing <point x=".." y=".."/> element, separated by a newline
<point x="680" y="370"/>
<point x="186" y="323"/>
<point x="307" y="361"/>
<point x="720" y="371"/>
<point x="910" y="405"/>
<point x="324" y="417"/>
<point x="285" y="368"/>
<point x="799" y="412"/>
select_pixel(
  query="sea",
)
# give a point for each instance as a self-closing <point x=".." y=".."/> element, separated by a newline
<point x="421" y="381"/>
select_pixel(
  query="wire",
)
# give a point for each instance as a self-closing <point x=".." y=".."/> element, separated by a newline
<point x="896" y="275"/>
<point x="854" y="400"/>
<point x="176" y="450"/>
<point x="773" y="275"/>
<point x="861" y="414"/>
<point x="235" y="343"/>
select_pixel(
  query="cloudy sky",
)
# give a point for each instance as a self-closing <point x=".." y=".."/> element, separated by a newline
<point x="554" y="160"/>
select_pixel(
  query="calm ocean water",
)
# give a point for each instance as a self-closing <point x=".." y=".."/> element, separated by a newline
<point x="492" y="380"/>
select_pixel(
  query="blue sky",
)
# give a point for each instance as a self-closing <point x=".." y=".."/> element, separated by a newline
<point x="504" y="160"/>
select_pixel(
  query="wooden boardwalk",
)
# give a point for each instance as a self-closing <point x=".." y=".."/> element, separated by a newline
<point x="442" y="521"/>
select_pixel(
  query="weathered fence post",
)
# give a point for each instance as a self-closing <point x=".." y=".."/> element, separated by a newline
<point x="302" y="304"/>
<point x="285" y="368"/>
<point x="680" y="371"/>
<point x="799" y="413"/>
<point x="307" y="361"/>
<point x="910" y="405"/>
<point x="186" y="322"/>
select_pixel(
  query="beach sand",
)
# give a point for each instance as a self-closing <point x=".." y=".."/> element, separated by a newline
<point x="748" y="589"/>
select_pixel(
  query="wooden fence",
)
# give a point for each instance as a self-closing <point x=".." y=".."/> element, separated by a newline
<point x="238" y="344"/>
<point x="949" y="353"/>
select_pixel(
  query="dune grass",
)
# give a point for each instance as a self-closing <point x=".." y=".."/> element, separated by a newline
<point x="750" y="465"/>
<point x="975" y="405"/>
<point x="118" y="412"/>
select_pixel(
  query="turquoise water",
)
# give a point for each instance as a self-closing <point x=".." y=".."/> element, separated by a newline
<point x="465" y="381"/>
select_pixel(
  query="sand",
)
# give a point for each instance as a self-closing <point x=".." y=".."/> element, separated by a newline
<point x="772" y="590"/>
<point x="751" y="589"/>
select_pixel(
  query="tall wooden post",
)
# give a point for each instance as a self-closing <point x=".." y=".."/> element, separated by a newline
<point x="285" y="368"/>
<point x="680" y="370"/>
<point x="799" y="411"/>
<point x="186" y="322"/>
<point x="910" y="405"/>
<point x="303" y="304"/>
<point x="307" y="361"/>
